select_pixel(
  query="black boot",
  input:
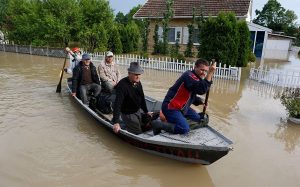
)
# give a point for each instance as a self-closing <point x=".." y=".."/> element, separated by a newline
<point x="93" y="103"/>
<point x="158" y="125"/>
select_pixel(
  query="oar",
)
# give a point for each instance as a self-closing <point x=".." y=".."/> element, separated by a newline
<point x="207" y="95"/>
<point x="58" y="89"/>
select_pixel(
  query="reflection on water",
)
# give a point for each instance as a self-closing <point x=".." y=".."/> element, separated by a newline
<point x="46" y="139"/>
<point x="289" y="134"/>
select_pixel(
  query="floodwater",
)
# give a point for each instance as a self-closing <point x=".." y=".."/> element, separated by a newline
<point x="46" y="139"/>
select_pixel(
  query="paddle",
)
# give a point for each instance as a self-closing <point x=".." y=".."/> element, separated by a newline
<point x="207" y="95"/>
<point x="58" y="89"/>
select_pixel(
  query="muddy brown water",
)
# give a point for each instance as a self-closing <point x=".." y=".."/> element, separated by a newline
<point x="46" y="139"/>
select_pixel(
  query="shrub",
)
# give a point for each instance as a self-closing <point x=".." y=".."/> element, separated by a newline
<point x="291" y="101"/>
<point x="251" y="57"/>
<point x="244" y="44"/>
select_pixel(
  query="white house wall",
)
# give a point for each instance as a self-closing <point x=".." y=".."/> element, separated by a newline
<point x="277" y="49"/>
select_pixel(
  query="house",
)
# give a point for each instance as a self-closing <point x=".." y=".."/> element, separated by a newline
<point x="263" y="41"/>
<point x="278" y="46"/>
<point x="183" y="14"/>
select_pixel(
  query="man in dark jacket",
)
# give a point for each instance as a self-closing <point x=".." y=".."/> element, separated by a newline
<point x="176" y="105"/>
<point x="85" y="78"/>
<point x="129" y="101"/>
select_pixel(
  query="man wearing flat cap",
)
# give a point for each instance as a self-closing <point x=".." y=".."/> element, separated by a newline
<point x="85" y="79"/>
<point x="130" y="100"/>
<point x="109" y="72"/>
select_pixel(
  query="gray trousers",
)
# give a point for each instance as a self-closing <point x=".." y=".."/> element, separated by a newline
<point x="84" y="89"/>
<point x="133" y="122"/>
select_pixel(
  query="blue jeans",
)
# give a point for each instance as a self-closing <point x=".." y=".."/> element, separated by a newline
<point x="179" y="119"/>
<point x="84" y="89"/>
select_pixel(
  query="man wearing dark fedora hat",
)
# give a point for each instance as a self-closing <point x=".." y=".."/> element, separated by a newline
<point x="130" y="100"/>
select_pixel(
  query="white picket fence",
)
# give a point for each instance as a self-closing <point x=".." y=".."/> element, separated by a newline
<point x="164" y="64"/>
<point x="168" y="64"/>
<point x="276" y="77"/>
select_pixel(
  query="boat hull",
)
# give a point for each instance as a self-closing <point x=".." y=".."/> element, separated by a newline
<point x="199" y="154"/>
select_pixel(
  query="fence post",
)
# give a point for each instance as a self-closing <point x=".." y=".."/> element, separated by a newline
<point x="4" y="47"/>
<point x="16" y="47"/>
<point x="240" y="73"/>
<point x="30" y="50"/>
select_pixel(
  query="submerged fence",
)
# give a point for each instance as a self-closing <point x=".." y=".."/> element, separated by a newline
<point x="42" y="51"/>
<point x="276" y="77"/>
<point x="164" y="64"/>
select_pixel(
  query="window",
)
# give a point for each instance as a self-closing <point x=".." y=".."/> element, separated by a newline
<point x="195" y="37"/>
<point x="172" y="34"/>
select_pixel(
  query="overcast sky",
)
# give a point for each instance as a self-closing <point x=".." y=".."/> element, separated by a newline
<point x="125" y="5"/>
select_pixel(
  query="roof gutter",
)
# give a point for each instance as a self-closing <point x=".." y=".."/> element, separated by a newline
<point x="179" y="17"/>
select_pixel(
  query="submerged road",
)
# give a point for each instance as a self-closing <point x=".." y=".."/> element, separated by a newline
<point x="46" y="139"/>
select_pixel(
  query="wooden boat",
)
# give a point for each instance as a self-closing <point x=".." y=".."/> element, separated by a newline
<point x="203" y="145"/>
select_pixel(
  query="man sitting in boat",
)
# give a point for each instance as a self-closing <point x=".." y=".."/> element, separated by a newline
<point x="129" y="101"/>
<point x="109" y="72"/>
<point x="85" y="79"/>
<point x="176" y="105"/>
<point x="75" y="58"/>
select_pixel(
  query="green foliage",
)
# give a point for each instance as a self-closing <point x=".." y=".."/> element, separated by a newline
<point x="121" y="18"/>
<point x="180" y="57"/>
<point x="297" y="42"/>
<point x="200" y="22"/>
<point x="220" y="39"/>
<point x="291" y="100"/>
<point x="165" y="22"/>
<point x="145" y="34"/>
<point x="156" y="47"/>
<point x="94" y="38"/>
<point x="175" y="49"/>
<point x="114" y="42"/>
<point x="57" y="22"/>
<point x="130" y="37"/>
<point x="275" y="17"/>
<point x="244" y="44"/>
<point x="144" y="55"/>
<point x="189" y="48"/>
<point x="96" y="11"/>
<point x="3" y="11"/>
<point x="188" y="52"/>
<point x="251" y="57"/>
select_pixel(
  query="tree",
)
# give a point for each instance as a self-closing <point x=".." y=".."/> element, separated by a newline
<point x="189" y="49"/>
<point x="165" y="22"/>
<point x="114" y="41"/>
<point x="157" y="43"/>
<point x="130" y="37"/>
<point x="59" y="21"/>
<point x="94" y="38"/>
<point x="121" y="18"/>
<point x="219" y="39"/>
<point x="145" y="34"/>
<point x="3" y="11"/>
<point x="275" y="17"/>
<point x="96" y="11"/>
<point x="244" y="44"/>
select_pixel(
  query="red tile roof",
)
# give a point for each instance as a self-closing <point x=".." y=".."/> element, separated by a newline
<point x="184" y="8"/>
